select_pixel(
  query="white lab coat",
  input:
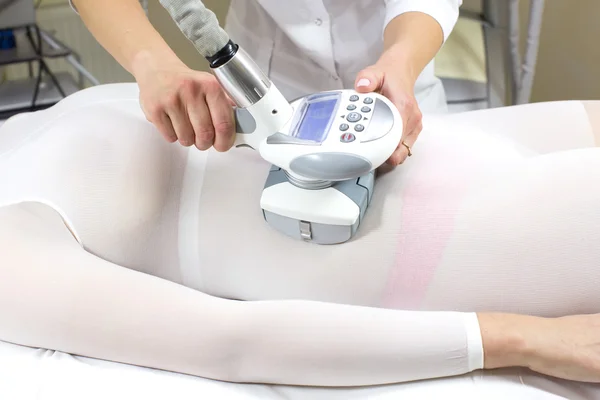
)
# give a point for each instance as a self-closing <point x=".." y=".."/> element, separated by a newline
<point x="307" y="46"/>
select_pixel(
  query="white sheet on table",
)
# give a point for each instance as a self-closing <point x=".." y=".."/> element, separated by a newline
<point x="28" y="374"/>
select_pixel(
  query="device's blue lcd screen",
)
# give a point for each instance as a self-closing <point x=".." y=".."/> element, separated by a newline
<point x="315" y="123"/>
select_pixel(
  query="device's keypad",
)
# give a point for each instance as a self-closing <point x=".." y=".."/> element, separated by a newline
<point x="354" y="117"/>
<point x="347" y="137"/>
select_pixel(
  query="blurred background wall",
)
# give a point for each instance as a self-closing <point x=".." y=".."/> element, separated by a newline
<point x="568" y="64"/>
<point x="569" y="54"/>
<point x="567" y="67"/>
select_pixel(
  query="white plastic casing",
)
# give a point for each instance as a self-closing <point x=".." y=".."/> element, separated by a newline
<point x="270" y="113"/>
<point x="371" y="144"/>
<point x="324" y="206"/>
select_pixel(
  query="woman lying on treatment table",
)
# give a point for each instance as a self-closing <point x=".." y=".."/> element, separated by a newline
<point x="118" y="245"/>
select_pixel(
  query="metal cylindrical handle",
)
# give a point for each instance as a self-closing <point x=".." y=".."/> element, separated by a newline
<point x="242" y="79"/>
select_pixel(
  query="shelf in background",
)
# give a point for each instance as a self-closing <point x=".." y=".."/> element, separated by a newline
<point x="16" y="95"/>
<point x="24" y="51"/>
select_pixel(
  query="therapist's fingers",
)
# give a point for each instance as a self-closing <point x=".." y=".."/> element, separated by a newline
<point x="187" y="106"/>
<point x="221" y="112"/>
<point x="176" y="110"/>
<point x="369" y="79"/>
<point x="412" y="119"/>
<point x="199" y="114"/>
<point x="412" y="129"/>
<point x="400" y="154"/>
<point x="412" y="122"/>
<point x="230" y="100"/>
<point x="405" y="148"/>
<point x="399" y="91"/>
<point x="156" y="115"/>
<point x="193" y="94"/>
<point x="165" y="127"/>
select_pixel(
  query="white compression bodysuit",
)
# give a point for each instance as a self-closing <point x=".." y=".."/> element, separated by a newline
<point x="119" y="246"/>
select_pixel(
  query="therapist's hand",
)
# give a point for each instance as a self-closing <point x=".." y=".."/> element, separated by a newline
<point x="186" y="105"/>
<point x="393" y="78"/>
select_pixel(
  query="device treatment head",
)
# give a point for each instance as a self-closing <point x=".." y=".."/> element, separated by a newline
<point x="308" y="184"/>
<point x="323" y="148"/>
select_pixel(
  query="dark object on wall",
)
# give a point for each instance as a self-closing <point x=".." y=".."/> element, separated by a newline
<point x="7" y="39"/>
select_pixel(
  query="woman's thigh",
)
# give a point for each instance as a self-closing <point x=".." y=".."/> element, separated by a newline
<point x="504" y="220"/>
<point x="526" y="242"/>
<point x="539" y="128"/>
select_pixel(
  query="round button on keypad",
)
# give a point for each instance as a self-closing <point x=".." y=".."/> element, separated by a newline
<point x="354" y="117"/>
<point x="365" y="109"/>
<point x="344" y="127"/>
<point x="347" y="137"/>
<point x="354" y="98"/>
<point x="368" y="100"/>
<point x="351" y="107"/>
<point x="359" y="128"/>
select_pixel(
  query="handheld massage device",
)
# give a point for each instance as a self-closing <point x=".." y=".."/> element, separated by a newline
<point x="324" y="148"/>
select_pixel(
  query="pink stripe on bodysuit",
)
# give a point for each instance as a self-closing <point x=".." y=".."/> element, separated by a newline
<point x="432" y="196"/>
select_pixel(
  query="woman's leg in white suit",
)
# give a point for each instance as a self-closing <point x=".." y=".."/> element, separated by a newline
<point x="540" y="128"/>
<point x="502" y="229"/>
<point x="528" y="243"/>
<point x="55" y="295"/>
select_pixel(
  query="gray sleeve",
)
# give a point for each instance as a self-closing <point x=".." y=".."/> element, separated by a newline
<point x="199" y="24"/>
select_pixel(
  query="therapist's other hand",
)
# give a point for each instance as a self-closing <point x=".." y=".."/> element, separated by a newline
<point x="391" y="78"/>
<point x="186" y="105"/>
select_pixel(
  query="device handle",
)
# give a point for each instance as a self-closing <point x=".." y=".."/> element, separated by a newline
<point x="255" y="123"/>
<point x="245" y="129"/>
